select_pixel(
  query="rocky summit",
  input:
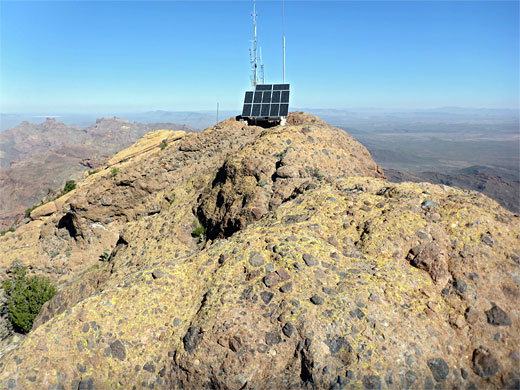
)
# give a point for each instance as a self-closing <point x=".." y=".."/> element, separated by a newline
<point x="251" y="258"/>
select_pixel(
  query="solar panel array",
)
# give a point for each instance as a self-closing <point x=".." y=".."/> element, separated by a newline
<point x="267" y="101"/>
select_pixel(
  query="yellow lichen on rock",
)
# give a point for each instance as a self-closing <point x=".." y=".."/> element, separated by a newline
<point x="301" y="279"/>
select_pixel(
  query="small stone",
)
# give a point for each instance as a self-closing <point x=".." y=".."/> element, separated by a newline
<point x="317" y="300"/>
<point x="439" y="369"/>
<point x="222" y="258"/>
<point x="487" y="239"/>
<point x="269" y="267"/>
<point x="409" y="379"/>
<point x="459" y="285"/>
<point x="286" y="288"/>
<point x="86" y="384"/>
<point x="271" y="279"/>
<point x="156" y="274"/>
<point x="256" y="259"/>
<point x="471" y="315"/>
<point x="85" y="328"/>
<point x="310" y="260"/>
<point x="235" y="343"/>
<point x="498" y="317"/>
<point x="371" y="382"/>
<point x="288" y="329"/>
<point x="266" y="296"/>
<point x="464" y="373"/>
<point x="484" y="363"/>
<point x="272" y="338"/>
<point x="192" y="338"/>
<point x="428" y="204"/>
<point x="337" y="343"/>
<point x="150" y="367"/>
<point x="118" y="350"/>
<point x="328" y="291"/>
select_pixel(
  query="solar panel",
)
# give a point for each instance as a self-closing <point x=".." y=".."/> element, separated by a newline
<point x="247" y="110"/>
<point x="249" y="97"/>
<point x="275" y="108"/>
<point x="256" y="110"/>
<point x="284" y="109"/>
<point x="267" y="101"/>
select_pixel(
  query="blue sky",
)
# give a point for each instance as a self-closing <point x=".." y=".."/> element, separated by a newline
<point x="188" y="55"/>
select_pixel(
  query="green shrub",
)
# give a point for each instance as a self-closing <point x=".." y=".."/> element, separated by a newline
<point x="69" y="186"/>
<point x="198" y="230"/>
<point x="10" y="230"/>
<point x="261" y="183"/>
<point x="25" y="297"/>
<point x="163" y="144"/>
<point x="105" y="256"/>
<point x="114" y="172"/>
<point x="93" y="172"/>
<point x="29" y="211"/>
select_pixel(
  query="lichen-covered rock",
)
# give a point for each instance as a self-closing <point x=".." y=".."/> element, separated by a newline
<point x="327" y="290"/>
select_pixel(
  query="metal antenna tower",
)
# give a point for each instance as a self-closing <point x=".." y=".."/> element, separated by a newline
<point x="253" y="51"/>
<point x="283" y="35"/>
<point x="262" y="75"/>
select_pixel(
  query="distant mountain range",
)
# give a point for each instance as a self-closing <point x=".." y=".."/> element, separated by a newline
<point x="204" y="118"/>
<point x="470" y="148"/>
<point x="36" y="159"/>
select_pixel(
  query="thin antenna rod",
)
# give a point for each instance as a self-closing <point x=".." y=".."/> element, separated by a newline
<point x="255" y="55"/>
<point x="283" y="33"/>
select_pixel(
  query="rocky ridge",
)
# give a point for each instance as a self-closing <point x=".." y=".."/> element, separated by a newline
<point x="315" y="272"/>
<point x="38" y="157"/>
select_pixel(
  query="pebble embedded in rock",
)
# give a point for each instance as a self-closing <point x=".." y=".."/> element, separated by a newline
<point x="288" y="329"/>
<point x="371" y="382"/>
<point x="235" y="343"/>
<point x="460" y="285"/>
<point x="118" y="350"/>
<point x="272" y="338"/>
<point x="317" y="300"/>
<point x="150" y="367"/>
<point x="310" y="260"/>
<point x="192" y="338"/>
<point x="498" y="317"/>
<point x="488" y="240"/>
<point x="256" y="259"/>
<point x="271" y="279"/>
<point x="156" y="274"/>
<point x="266" y="296"/>
<point x="428" y="204"/>
<point x="484" y="363"/>
<point x="286" y="288"/>
<point x="439" y="369"/>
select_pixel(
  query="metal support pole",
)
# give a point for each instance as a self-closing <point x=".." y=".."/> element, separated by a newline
<point x="283" y="33"/>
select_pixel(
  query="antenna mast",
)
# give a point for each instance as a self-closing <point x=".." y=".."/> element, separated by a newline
<point x="262" y="76"/>
<point x="283" y="40"/>
<point x="253" y="51"/>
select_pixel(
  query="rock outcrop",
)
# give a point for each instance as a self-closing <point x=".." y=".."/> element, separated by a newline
<point x="37" y="158"/>
<point x="314" y="272"/>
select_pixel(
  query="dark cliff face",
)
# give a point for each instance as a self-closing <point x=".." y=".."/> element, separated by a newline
<point x="313" y="272"/>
